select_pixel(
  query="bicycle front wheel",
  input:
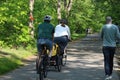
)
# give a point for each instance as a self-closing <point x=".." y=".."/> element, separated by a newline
<point x="45" y="71"/>
<point x="41" y="70"/>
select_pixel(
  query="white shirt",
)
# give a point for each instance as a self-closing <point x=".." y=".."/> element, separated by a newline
<point x="62" y="31"/>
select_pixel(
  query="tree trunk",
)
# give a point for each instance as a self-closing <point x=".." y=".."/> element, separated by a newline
<point x="69" y="7"/>
<point x="31" y="6"/>
<point x="59" y="10"/>
<point x="65" y="5"/>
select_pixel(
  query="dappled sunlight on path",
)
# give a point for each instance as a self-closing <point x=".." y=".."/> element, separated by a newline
<point x="84" y="62"/>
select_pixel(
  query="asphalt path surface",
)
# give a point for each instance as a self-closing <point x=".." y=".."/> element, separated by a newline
<point x="84" y="62"/>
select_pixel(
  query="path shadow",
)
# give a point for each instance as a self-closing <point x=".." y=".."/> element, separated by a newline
<point x="84" y="63"/>
<point x="5" y="54"/>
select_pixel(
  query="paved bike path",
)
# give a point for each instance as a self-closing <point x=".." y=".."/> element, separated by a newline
<point x="85" y="62"/>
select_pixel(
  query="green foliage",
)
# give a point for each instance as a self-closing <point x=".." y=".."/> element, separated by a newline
<point x="14" y="22"/>
<point x="45" y="7"/>
<point x="84" y="14"/>
<point x="7" y="64"/>
<point x="81" y="16"/>
<point x="108" y="8"/>
<point x="76" y="36"/>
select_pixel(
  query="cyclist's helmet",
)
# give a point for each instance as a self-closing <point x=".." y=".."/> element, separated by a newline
<point x="47" y="18"/>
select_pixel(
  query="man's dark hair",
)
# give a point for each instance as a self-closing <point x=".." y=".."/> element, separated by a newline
<point x="108" y="19"/>
<point x="63" y="21"/>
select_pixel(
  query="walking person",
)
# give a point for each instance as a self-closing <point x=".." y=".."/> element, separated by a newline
<point x="109" y="34"/>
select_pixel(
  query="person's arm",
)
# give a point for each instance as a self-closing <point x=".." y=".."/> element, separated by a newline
<point x="53" y="37"/>
<point x="101" y="35"/>
<point x="118" y="33"/>
<point x="53" y="34"/>
<point x="69" y="34"/>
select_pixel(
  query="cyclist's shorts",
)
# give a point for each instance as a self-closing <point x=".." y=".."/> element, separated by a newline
<point x="40" y="42"/>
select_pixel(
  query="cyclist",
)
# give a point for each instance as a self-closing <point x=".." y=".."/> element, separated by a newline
<point x="62" y="35"/>
<point x="45" y="34"/>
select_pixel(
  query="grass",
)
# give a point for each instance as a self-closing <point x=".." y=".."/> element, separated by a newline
<point x="76" y="36"/>
<point x="11" y="58"/>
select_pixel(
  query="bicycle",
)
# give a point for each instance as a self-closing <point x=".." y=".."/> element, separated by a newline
<point x="42" y="63"/>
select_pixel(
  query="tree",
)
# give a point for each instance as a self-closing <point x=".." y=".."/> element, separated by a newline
<point x="81" y="14"/>
<point x="31" y="4"/>
<point x="68" y="7"/>
<point x="63" y="10"/>
<point x="59" y="10"/>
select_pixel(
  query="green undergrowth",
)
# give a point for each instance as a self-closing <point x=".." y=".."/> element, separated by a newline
<point x="76" y="36"/>
<point x="11" y="59"/>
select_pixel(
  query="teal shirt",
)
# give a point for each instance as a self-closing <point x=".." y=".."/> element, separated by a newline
<point x="109" y="34"/>
<point x="45" y="30"/>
